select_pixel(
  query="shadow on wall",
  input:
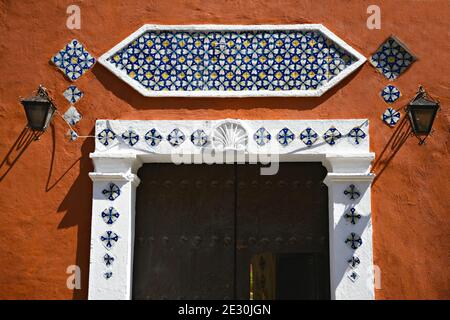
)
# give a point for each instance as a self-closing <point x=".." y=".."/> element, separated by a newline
<point x="50" y="185"/>
<point x="77" y="201"/>
<point x="77" y="206"/>
<point x="397" y="140"/>
<point x="131" y="97"/>
<point x="25" y="138"/>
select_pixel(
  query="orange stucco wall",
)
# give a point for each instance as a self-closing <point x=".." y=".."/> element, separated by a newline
<point x="45" y="192"/>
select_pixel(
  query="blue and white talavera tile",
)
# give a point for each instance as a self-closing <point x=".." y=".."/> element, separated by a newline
<point x="109" y="239"/>
<point x="72" y="135"/>
<point x="354" y="262"/>
<point x="352" y="216"/>
<point x="226" y="60"/>
<point x="262" y="137"/>
<point x="110" y="215"/>
<point x="176" y="137"/>
<point x="73" y="94"/>
<point x="106" y="137"/>
<point x="199" y="138"/>
<point x="353" y="275"/>
<point x="354" y="241"/>
<point x="112" y="191"/>
<point x="331" y="136"/>
<point x="72" y="116"/>
<point x="391" y="116"/>
<point x="108" y="259"/>
<point x="352" y="192"/>
<point x="390" y="93"/>
<point x="73" y="60"/>
<point x="285" y="136"/>
<point x="356" y="135"/>
<point x="309" y="136"/>
<point x="392" y="58"/>
<point x="130" y="137"/>
<point x="153" y="137"/>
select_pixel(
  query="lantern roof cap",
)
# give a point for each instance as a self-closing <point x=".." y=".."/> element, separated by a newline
<point x="38" y="98"/>
<point x="41" y="96"/>
<point x="422" y="98"/>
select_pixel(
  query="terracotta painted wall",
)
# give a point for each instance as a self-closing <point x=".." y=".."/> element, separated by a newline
<point x="45" y="192"/>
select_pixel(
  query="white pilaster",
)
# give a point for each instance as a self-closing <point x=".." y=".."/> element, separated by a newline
<point x="114" y="281"/>
<point x="344" y="171"/>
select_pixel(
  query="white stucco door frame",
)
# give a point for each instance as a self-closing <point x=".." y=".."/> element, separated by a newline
<point x="122" y="148"/>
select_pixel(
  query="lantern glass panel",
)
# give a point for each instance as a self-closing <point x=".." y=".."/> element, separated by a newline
<point x="422" y="118"/>
<point x="39" y="113"/>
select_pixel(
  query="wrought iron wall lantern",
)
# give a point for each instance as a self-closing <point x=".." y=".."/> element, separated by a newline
<point x="39" y="110"/>
<point x="422" y="111"/>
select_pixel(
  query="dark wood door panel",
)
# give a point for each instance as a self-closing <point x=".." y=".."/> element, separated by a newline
<point x="184" y="247"/>
<point x="199" y="227"/>
<point x="284" y="215"/>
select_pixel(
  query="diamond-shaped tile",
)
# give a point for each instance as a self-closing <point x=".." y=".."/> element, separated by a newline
<point x="72" y="135"/>
<point x="331" y="136"/>
<point x="108" y="259"/>
<point x="73" y="60"/>
<point x="357" y="135"/>
<point x="285" y="136"/>
<point x="73" y="94"/>
<point x="390" y="93"/>
<point x="72" y="116"/>
<point x="352" y="192"/>
<point x="112" y="191"/>
<point x="110" y="215"/>
<point x="392" y="58"/>
<point x="352" y="216"/>
<point x="106" y="136"/>
<point x="262" y="136"/>
<point x="391" y="117"/>
<point x="130" y="137"/>
<point x="353" y="275"/>
<point x="354" y="241"/>
<point x="199" y="138"/>
<point x="153" y="137"/>
<point x="176" y="137"/>
<point x="109" y="239"/>
<point x="309" y="136"/>
<point x="353" y="262"/>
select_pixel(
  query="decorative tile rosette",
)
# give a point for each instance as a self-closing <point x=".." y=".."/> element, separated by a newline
<point x="73" y="94"/>
<point x="392" y="58"/>
<point x="73" y="60"/>
<point x="390" y="93"/>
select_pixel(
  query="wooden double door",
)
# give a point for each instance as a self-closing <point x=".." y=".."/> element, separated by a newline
<point x="228" y="232"/>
